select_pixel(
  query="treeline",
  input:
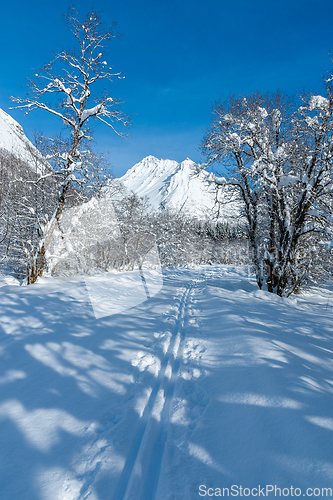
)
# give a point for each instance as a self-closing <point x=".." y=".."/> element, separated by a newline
<point x="110" y="231"/>
<point x="125" y="234"/>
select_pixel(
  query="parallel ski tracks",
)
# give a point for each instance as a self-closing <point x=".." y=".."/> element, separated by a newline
<point x="141" y="472"/>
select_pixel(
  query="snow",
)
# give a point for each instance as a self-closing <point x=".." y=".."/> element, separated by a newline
<point x="87" y="113"/>
<point x="318" y="102"/>
<point x="7" y="279"/>
<point x="179" y="187"/>
<point x="106" y="298"/>
<point x="13" y="140"/>
<point x="209" y="383"/>
<point x="286" y="180"/>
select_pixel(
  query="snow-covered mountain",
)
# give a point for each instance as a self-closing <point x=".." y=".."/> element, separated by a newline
<point x="14" y="141"/>
<point x="179" y="187"/>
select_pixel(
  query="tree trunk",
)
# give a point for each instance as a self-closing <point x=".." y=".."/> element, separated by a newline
<point x="39" y="262"/>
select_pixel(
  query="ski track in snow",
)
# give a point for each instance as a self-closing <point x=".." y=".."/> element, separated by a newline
<point x="141" y="472"/>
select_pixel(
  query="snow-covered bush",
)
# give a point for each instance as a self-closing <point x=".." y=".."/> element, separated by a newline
<point x="137" y="231"/>
<point x="28" y="196"/>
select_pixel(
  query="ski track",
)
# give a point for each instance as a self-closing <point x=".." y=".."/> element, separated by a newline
<point x="141" y="472"/>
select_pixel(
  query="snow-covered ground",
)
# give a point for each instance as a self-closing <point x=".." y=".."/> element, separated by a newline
<point x="208" y="384"/>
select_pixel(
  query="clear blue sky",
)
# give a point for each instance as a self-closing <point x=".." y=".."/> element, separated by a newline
<point x="178" y="56"/>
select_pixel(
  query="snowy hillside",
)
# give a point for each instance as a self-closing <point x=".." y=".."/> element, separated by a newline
<point x="179" y="187"/>
<point x="14" y="141"/>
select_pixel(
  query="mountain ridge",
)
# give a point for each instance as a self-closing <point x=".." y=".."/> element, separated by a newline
<point x="182" y="187"/>
<point x="14" y="141"/>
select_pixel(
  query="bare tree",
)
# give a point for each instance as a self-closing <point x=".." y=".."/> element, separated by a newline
<point x="69" y="87"/>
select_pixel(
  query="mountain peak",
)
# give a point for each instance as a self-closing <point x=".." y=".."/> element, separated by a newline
<point x="179" y="187"/>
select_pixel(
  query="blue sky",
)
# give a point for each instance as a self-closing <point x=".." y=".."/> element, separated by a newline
<point x="178" y="58"/>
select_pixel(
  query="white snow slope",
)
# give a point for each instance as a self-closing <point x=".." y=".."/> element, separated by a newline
<point x="13" y="140"/>
<point x="179" y="187"/>
<point x="210" y="384"/>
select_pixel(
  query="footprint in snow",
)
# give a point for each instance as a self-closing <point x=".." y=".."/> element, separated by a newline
<point x="146" y="361"/>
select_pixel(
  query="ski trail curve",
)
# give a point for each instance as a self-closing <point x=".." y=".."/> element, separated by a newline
<point x="141" y="472"/>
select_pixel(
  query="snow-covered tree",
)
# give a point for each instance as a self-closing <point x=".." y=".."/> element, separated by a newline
<point x="279" y="154"/>
<point x="70" y="88"/>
